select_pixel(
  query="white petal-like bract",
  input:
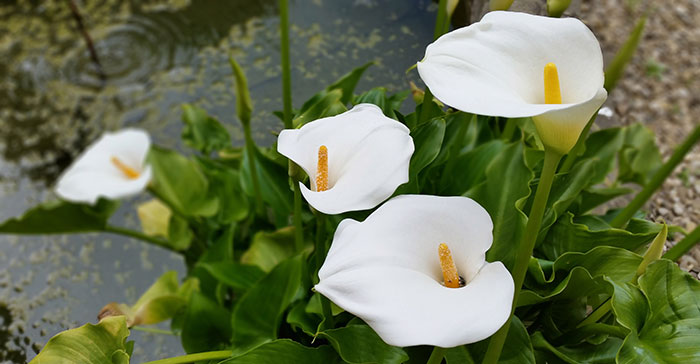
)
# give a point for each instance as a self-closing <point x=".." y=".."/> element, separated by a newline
<point x="94" y="174"/>
<point x="495" y="67"/>
<point x="368" y="158"/>
<point x="386" y="270"/>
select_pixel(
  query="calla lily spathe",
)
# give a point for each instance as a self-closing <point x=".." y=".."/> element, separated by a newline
<point x="368" y="155"/>
<point x="113" y="167"/>
<point x="495" y="67"/>
<point x="386" y="270"/>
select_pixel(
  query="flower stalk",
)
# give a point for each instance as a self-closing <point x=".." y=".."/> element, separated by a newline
<point x="320" y="253"/>
<point x="137" y="235"/>
<point x="684" y="245"/>
<point x="551" y="160"/>
<point x="193" y="358"/>
<point x="286" y="69"/>
<point x="436" y="356"/>
<point x="657" y="180"/>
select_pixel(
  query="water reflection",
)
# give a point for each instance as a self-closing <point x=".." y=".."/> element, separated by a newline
<point x="156" y="55"/>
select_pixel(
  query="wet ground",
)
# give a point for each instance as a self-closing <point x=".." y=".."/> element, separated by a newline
<point x="153" y="55"/>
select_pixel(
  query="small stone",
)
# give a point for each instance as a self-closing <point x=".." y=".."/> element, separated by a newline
<point x="678" y="209"/>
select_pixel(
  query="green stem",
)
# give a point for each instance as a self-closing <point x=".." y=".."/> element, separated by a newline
<point x="286" y="69"/>
<point x="509" y="129"/>
<point x="684" y="245"/>
<point x="320" y="253"/>
<point x="436" y="356"/>
<point x="657" y="180"/>
<point x="597" y="314"/>
<point x="192" y="358"/>
<point x="527" y="245"/>
<point x="137" y="235"/>
<point x="578" y="147"/>
<point x="440" y="20"/>
<point x="298" y="227"/>
<point x="250" y="147"/>
<point x="153" y="330"/>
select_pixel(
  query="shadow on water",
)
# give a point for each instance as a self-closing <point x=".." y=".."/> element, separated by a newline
<point x="45" y="60"/>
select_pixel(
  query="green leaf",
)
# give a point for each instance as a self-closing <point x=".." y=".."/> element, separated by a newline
<point x="616" y="68"/>
<point x="104" y="343"/>
<point x="584" y="275"/>
<point x="502" y="194"/>
<point x="299" y="318"/>
<point x="580" y="234"/>
<point x="58" y="217"/>
<point x="347" y="83"/>
<point x="202" y="132"/>
<point x="286" y="351"/>
<point x="226" y="184"/>
<point x="273" y="180"/>
<point x="240" y="276"/>
<point x="206" y="325"/>
<point x="180" y="183"/>
<point x="603" y="146"/>
<point x="377" y="96"/>
<point x="328" y="104"/>
<point x="640" y="157"/>
<point x="596" y="196"/>
<point x="629" y="305"/>
<point x="244" y="105"/>
<point x="256" y="317"/>
<point x="672" y="326"/>
<point x="518" y="348"/>
<point x="584" y="353"/>
<point x="427" y="139"/>
<point x="270" y="248"/>
<point x="359" y="344"/>
<point x="458" y="355"/>
<point x="179" y="233"/>
<point x="469" y="169"/>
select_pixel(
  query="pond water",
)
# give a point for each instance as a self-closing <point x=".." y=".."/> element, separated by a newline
<point x="154" y="55"/>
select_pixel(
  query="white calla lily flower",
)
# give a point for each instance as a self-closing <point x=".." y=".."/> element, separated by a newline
<point x="355" y="160"/>
<point x="496" y="67"/>
<point x="113" y="167"/>
<point x="393" y="271"/>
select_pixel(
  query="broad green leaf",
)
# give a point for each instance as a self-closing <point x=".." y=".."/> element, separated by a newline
<point x="502" y="194"/>
<point x="672" y="327"/>
<point x="300" y="319"/>
<point x="469" y="168"/>
<point x="181" y="184"/>
<point x="202" y="132"/>
<point x="347" y="83"/>
<point x="58" y="217"/>
<point x="328" y="104"/>
<point x="596" y="196"/>
<point x="629" y="305"/>
<point x="359" y="344"/>
<point x="640" y="157"/>
<point x="273" y="180"/>
<point x="285" y="351"/>
<point x="244" y="105"/>
<point x="161" y="301"/>
<point x="458" y="355"/>
<point x="226" y="184"/>
<point x="179" y="233"/>
<point x="603" y="146"/>
<point x="206" y="325"/>
<point x="427" y="139"/>
<point x="236" y="275"/>
<point x="580" y="234"/>
<point x="104" y="343"/>
<point x="378" y="96"/>
<point x="616" y="68"/>
<point x="518" y="348"/>
<point x="256" y="317"/>
<point x="584" y="353"/>
<point x="454" y="143"/>
<point x="270" y="248"/>
<point x="584" y="274"/>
